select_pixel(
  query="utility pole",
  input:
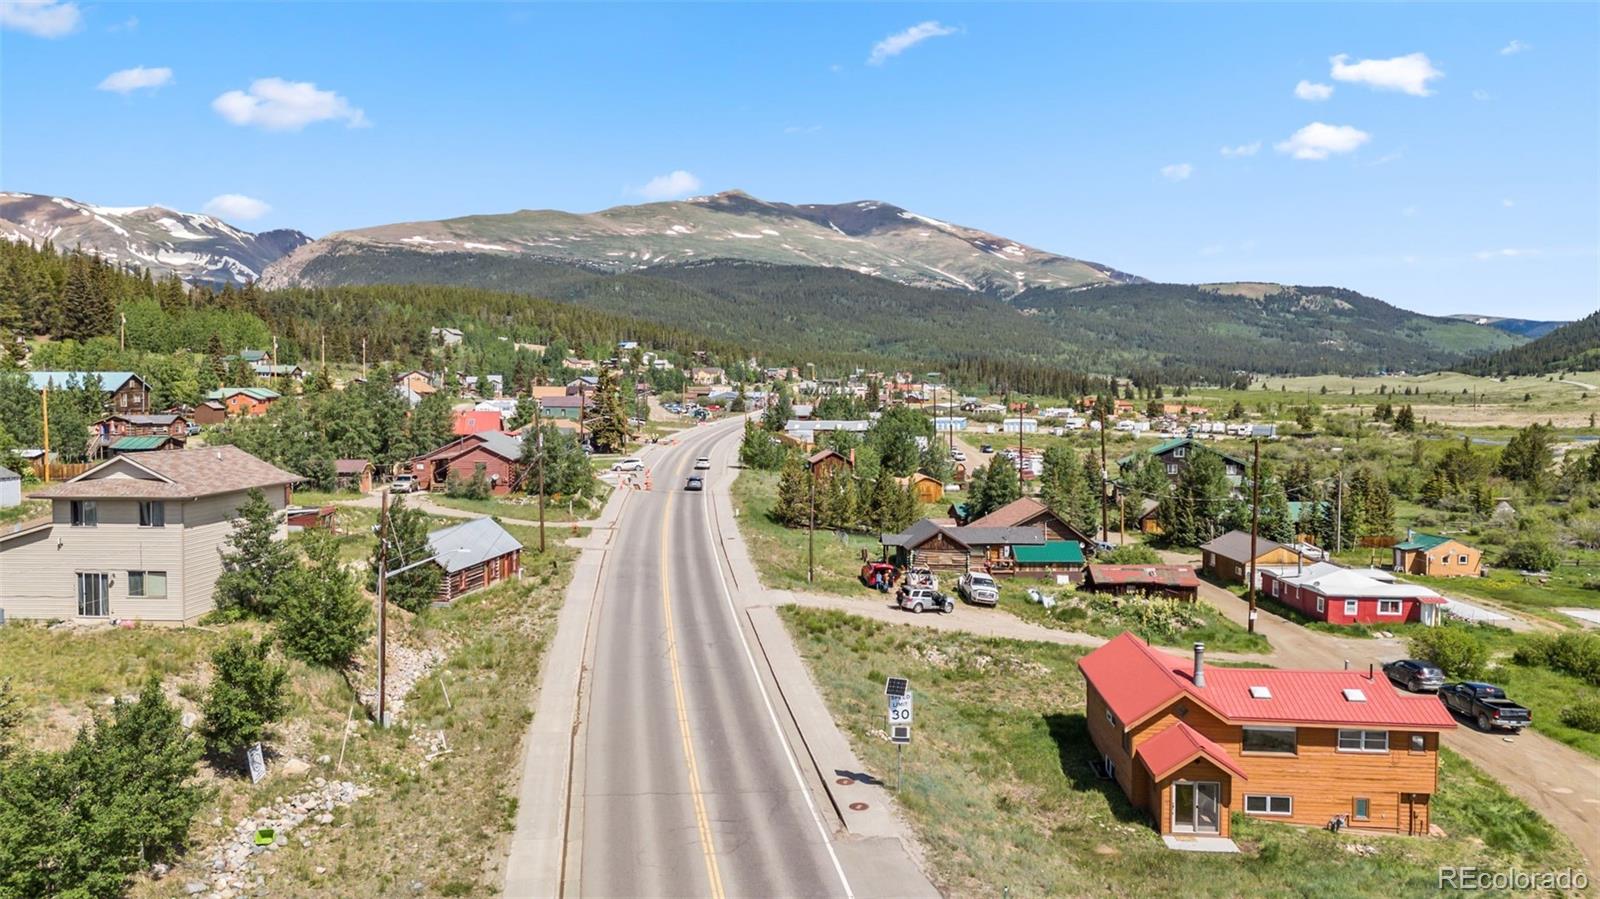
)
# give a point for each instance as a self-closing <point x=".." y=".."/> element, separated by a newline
<point x="44" y="404"/>
<point x="122" y="331"/>
<point x="383" y="604"/>
<point x="1022" y="486"/>
<point x="1105" y="475"/>
<point x="811" y="532"/>
<point x="1338" y="514"/>
<point x="323" y="352"/>
<point x="363" y="358"/>
<point x="1122" y="519"/>
<point x="580" y="412"/>
<point x="538" y="431"/>
<point x="1255" y="520"/>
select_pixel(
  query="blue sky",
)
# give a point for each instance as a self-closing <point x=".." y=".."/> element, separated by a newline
<point x="1459" y="145"/>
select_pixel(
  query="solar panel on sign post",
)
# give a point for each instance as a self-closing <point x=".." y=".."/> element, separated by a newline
<point x="894" y="686"/>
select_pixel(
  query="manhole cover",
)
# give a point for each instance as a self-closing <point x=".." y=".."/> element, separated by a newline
<point x="845" y="781"/>
<point x="858" y="806"/>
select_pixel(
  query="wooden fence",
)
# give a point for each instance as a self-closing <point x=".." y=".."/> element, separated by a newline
<point x="61" y="471"/>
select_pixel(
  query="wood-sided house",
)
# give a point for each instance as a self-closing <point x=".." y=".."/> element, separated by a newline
<point x="130" y="433"/>
<point x="1434" y="555"/>
<point x="497" y="455"/>
<point x="1191" y="744"/>
<point x="473" y="555"/>
<point x="353" y="474"/>
<point x="1175" y="456"/>
<point x="828" y="462"/>
<point x="1227" y="558"/>
<point x="1027" y="512"/>
<point x="1338" y="595"/>
<point x="126" y="392"/>
<point x="947" y="548"/>
<point x="1176" y="581"/>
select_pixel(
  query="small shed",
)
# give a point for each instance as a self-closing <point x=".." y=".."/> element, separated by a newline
<point x="926" y="487"/>
<point x="10" y="488"/>
<point x="1178" y="581"/>
<point x="824" y="463"/>
<point x="353" y="474"/>
<point x="474" y="554"/>
<point x="1050" y="559"/>
<point x="309" y="518"/>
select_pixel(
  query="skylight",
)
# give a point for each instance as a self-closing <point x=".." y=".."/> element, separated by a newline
<point x="1260" y="693"/>
<point x="1352" y="694"/>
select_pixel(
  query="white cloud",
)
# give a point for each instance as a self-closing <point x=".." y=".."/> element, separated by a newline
<point x="899" y="42"/>
<point x="1409" y="74"/>
<point x="278" y="105"/>
<point x="1249" y="149"/>
<point x="1178" y="171"/>
<point x="1481" y="95"/>
<point x="1514" y="47"/>
<point x="669" y="186"/>
<point x="1508" y="202"/>
<point x="1319" y="141"/>
<point x="1505" y="253"/>
<point x="41" y="18"/>
<point x="1308" y="90"/>
<point x="236" y="207"/>
<point x="129" y="80"/>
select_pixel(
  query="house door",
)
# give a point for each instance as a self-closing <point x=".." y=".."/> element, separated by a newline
<point x="94" y="594"/>
<point x="1427" y="615"/>
<point x="1196" y="807"/>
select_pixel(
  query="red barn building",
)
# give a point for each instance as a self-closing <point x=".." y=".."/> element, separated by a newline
<point x="477" y="421"/>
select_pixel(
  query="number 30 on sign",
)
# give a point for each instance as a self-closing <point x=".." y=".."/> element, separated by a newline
<point x="900" y="709"/>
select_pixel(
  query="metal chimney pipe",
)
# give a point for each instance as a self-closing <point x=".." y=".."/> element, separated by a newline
<point x="1347" y="664"/>
<point x="1371" y="671"/>
<point x="1199" y="664"/>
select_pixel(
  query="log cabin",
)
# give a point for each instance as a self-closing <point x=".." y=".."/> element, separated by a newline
<point x="473" y="555"/>
<point x="1190" y="745"/>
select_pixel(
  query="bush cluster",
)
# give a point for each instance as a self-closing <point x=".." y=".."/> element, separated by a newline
<point x="1576" y="653"/>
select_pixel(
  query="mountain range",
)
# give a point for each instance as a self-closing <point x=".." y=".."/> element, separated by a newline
<point x="862" y="278"/>
<point x="867" y="237"/>
<point x="192" y="246"/>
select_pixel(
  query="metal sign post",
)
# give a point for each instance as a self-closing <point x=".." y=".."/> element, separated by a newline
<point x="897" y="691"/>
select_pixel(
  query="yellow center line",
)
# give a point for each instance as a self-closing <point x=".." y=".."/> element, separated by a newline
<point x="704" y="822"/>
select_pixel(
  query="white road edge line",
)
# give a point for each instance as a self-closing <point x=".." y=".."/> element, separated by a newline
<point x="772" y="715"/>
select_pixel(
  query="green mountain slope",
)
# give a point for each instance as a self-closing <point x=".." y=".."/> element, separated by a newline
<point x="1208" y="330"/>
<point x="1573" y="347"/>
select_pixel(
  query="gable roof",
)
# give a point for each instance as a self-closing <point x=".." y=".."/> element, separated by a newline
<point x="138" y="443"/>
<point x="351" y="466"/>
<point x="973" y="535"/>
<point x="255" y="393"/>
<point x="471" y="543"/>
<point x="504" y="445"/>
<point x="7" y="474"/>
<point x="1419" y="541"/>
<point x="819" y="455"/>
<point x="1137" y="681"/>
<point x="1179" y="745"/>
<point x="174" y="474"/>
<point x="1167" y="446"/>
<point x="1153" y="575"/>
<point x="155" y="419"/>
<point x="1343" y="582"/>
<point x="57" y="380"/>
<point x="920" y="532"/>
<point x="1012" y="514"/>
<point x="1236" y="545"/>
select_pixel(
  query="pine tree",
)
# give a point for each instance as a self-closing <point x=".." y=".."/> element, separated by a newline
<point x="323" y="619"/>
<point x="254" y="562"/>
<point x="1405" y="420"/>
<point x="1002" y="486"/>
<point x="412" y="590"/>
<point x="882" y="512"/>
<point x="793" y="506"/>
<point x="246" y="695"/>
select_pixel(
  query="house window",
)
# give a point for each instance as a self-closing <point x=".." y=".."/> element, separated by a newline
<point x="1172" y="469"/>
<point x="1462" y="559"/>
<point x="85" y="514"/>
<point x="1363" y="808"/>
<point x="1322" y="604"/>
<point x="1268" y="805"/>
<point x="1419" y="743"/>
<point x="1110" y="718"/>
<point x="1363" y="741"/>
<point x="1179" y="452"/>
<point x="1277" y="740"/>
<point x="123" y="398"/>
<point x="1388" y="607"/>
<point x="1352" y="606"/>
<point x="92" y="589"/>
<point x="152" y="514"/>
<point x="1274" y="587"/>
<point x="147" y="584"/>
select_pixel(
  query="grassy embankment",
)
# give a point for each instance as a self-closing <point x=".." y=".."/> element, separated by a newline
<point x="441" y="824"/>
<point x="999" y="790"/>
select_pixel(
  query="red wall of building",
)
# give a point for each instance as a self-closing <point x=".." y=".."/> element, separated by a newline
<point x="1333" y="612"/>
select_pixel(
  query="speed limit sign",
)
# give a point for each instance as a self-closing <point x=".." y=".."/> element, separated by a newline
<point x="900" y="709"/>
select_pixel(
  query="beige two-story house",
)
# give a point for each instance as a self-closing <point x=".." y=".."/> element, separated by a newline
<point x="136" y="538"/>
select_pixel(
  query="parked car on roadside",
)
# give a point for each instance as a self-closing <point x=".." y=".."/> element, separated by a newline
<point x="1485" y="704"/>
<point x="924" y="599"/>
<point x="986" y="448"/>
<point x="1414" y="675"/>
<point x="957" y="456"/>
<point x="403" y="484"/>
<point x="879" y="576"/>
<point x="922" y="577"/>
<point x="978" y="588"/>
<point x="631" y="463"/>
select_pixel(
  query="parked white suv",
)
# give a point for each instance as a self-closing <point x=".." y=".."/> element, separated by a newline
<point x="629" y="464"/>
<point x="702" y="463"/>
<point x="978" y="588"/>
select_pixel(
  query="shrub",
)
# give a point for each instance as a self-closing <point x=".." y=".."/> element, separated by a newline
<point x="1454" y="648"/>
<point x="1583" y="715"/>
<point x="1576" y="653"/>
<point x="1130" y="554"/>
<point x="246" y="695"/>
<point x="1531" y="552"/>
<point x="322" y="618"/>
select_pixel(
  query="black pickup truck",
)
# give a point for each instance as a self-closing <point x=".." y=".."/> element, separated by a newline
<point x="1486" y="704"/>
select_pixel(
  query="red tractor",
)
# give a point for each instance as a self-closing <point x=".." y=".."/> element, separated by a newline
<point x="879" y="575"/>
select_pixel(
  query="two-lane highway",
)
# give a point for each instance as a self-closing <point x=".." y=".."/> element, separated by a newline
<point x="687" y="786"/>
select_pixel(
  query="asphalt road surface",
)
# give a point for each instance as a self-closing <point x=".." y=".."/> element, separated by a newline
<point x="687" y="786"/>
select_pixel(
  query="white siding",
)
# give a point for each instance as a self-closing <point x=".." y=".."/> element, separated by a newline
<point x="207" y="523"/>
<point x="38" y="571"/>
